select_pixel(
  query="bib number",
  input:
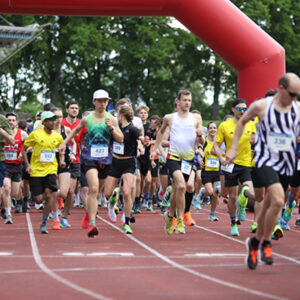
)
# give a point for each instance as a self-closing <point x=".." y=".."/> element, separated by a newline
<point x="279" y="141"/>
<point x="227" y="168"/>
<point x="118" y="148"/>
<point x="99" y="151"/>
<point x="213" y="163"/>
<point x="47" y="156"/>
<point x="10" y="155"/>
<point x="186" y="167"/>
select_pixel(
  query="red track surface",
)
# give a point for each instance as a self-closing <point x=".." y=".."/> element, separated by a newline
<point x="205" y="263"/>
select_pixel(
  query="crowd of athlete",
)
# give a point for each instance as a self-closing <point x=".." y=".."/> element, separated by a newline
<point x="171" y="162"/>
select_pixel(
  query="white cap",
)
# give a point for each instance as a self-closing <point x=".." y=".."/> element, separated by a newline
<point x="101" y="94"/>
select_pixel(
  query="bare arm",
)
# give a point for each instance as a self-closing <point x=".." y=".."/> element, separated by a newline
<point x="24" y="154"/>
<point x="216" y="150"/>
<point x="116" y="132"/>
<point x="9" y="139"/>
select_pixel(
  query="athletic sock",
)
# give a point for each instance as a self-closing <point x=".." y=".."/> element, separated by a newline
<point x="137" y="200"/>
<point x="8" y="211"/>
<point x="188" y="201"/>
<point x="146" y="196"/>
<point x="127" y="220"/>
<point x="254" y="242"/>
<point x="44" y="219"/>
<point x="92" y="223"/>
<point x="55" y="216"/>
<point x="233" y="220"/>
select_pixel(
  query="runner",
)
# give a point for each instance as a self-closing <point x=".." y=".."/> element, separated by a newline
<point x="102" y="129"/>
<point x="274" y="157"/>
<point x="43" y="165"/>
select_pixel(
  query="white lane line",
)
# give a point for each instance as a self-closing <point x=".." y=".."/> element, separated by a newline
<point x="191" y="271"/>
<point x="101" y="254"/>
<point x="55" y="276"/>
<point x="216" y="255"/>
<point x="243" y="243"/>
<point x="5" y="253"/>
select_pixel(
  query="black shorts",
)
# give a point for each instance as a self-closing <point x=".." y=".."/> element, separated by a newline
<point x="14" y="172"/>
<point x="25" y="175"/>
<point x="239" y="174"/>
<point x="39" y="184"/>
<point x="63" y="170"/>
<point x="144" y="165"/>
<point x="122" y="166"/>
<point x="268" y="176"/>
<point x="75" y="170"/>
<point x="83" y="180"/>
<point x="256" y="182"/>
<point x="210" y="176"/>
<point x="174" y="165"/>
<point x="155" y="171"/>
<point x="2" y="172"/>
<point x="102" y="169"/>
<point x="163" y="169"/>
<point x="295" y="180"/>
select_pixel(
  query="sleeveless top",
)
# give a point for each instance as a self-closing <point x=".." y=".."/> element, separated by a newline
<point x="211" y="162"/>
<point x="97" y="141"/>
<point x="67" y="151"/>
<point x="275" y="141"/>
<point x="12" y="152"/>
<point x="182" y="137"/>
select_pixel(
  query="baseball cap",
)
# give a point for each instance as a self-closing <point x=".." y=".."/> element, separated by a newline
<point x="39" y="113"/>
<point x="48" y="115"/>
<point x="101" y="94"/>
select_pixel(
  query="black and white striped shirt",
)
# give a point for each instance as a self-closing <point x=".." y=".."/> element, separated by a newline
<point x="275" y="141"/>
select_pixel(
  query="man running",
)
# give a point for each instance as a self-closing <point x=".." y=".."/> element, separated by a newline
<point x="274" y="157"/>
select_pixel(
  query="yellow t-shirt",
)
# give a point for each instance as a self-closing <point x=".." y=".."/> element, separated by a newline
<point x="226" y="133"/>
<point x="43" y="160"/>
<point x="211" y="162"/>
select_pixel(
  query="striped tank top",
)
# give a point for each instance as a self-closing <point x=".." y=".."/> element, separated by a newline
<point x="275" y="142"/>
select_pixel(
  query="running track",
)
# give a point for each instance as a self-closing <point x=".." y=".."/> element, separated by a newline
<point x="205" y="263"/>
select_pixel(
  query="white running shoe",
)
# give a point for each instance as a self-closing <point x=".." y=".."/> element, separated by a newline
<point x="111" y="213"/>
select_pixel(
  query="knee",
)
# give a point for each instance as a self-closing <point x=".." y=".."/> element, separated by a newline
<point x="93" y="190"/>
<point x="181" y="188"/>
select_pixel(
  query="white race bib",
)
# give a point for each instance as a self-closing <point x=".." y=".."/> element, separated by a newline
<point x="279" y="141"/>
<point x="47" y="156"/>
<point x="298" y="165"/>
<point x="99" y="151"/>
<point x="10" y="155"/>
<point x="118" y="148"/>
<point x="213" y="163"/>
<point x="186" y="167"/>
<point x="227" y="168"/>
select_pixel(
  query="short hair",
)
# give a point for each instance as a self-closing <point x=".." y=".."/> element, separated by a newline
<point x="11" y="114"/>
<point x="227" y="117"/>
<point x="127" y="112"/>
<point x="22" y="124"/>
<point x="48" y="106"/>
<point x="195" y="111"/>
<point x="122" y="102"/>
<point x="238" y="101"/>
<point x="157" y="123"/>
<point x="284" y="81"/>
<point x="72" y="102"/>
<point x="183" y="92"/>
<point x="144" y="107"/>
<point x="154" y="118"/>
<point x="55" y="109"/>
<point x="271" y="92"/>
<point x="29" y="120"/>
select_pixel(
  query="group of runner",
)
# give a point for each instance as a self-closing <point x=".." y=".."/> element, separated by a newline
<point x="136" y="163"/>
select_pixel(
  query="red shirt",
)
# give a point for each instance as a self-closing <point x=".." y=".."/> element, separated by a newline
<point x="12" y="152"/>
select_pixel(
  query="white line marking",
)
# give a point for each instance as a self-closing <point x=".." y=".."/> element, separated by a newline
<point x="73" y="254"/>
<point x="243" y="243"/>
<point x="5" y="253"/>
<point x="215" y="255"/>
<point x="55" y="276"/>
<point x="110" y="254"/>
<point x="193" y="272"/>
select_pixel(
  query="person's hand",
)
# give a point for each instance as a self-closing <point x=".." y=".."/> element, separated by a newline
<point x="109" y="123"/>
<point x="230" y="156"/>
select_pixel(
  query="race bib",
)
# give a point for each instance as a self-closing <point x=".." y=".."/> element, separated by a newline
<point x="213" y="163"/>
<point x="279" y="141"/>
<point x="10" y="155"/>
<point x="99" y="151"/>
<point x="118" y="148"/>
<point x="186" y="167"/>
<point x="47" y="156"/>
<point x="227" y="168"/>
<point x="298" y="165"/>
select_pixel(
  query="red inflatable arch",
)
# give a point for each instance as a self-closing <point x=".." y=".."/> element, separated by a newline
<point x="259" y="59"/>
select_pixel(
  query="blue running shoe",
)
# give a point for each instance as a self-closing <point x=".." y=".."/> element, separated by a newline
<point x="234" y="230"/>
<point x="64" y="223"/>
<point x="283" y="224"/>
<point x="241" y="213"/>
<point x="196" y="204"/>
<point x="43" y="229"/>
<point x="288" y="213"/>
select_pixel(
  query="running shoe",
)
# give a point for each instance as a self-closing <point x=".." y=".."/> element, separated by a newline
<point x="167" y="196"/>
<point x="168" y="223"/>
<point x="188" y="220"/>
<point x="43" y="229"/>
<point x="145" y="203"/>
<point x="132" y="219"/>
<point x="241" y="212"/>
<point x="8" y="220"/>
<point x="234" y="230"/>
<point x="288" y="213"/>
<point x="137" y="209"/>
<point x="243" y="200"/>
<point x="123" y="218"/>
<point x="114" y="198"/>
<point x="39" y="206"/>
<point x="213" y="217"/>
<point x="174" y="223"/>
<point x="111" y="213"/>
<point x="93" y="231"/>
<point x="283" y="224"/>
<point x="196" y="204"/>
<point x="297" y="222"/>
<point x="253" y="227"/>
<point x="180" y="227"/>
<point x="85" y="221"/>
<point x="266" y="253"/>
<point x="225" y="199"/>
<point x="50" y="216"/>
<point x="56" y="225"/>
<point x="277" y="232"/>
<point x="18" y="208"/>
<point x="127" y="229"/>
<point x="64" y="223"/>
<point x="251" y="259"/>
<point x="149" y="206"/>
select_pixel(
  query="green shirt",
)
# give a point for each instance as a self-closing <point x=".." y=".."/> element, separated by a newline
<point x="4" y="124"/>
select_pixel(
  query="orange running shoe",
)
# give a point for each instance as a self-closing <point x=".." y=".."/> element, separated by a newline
<point x="174" y="223"/>
<point x="188" y="220"/>
<point x="60" y="203"/>
<point x="93" y="231"/>
<point x="56" y="225"/>
<point x="85" y="222"/>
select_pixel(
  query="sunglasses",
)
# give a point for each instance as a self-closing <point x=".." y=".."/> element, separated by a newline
<point x="293" y="95"/>
<point x="241" y="108"/>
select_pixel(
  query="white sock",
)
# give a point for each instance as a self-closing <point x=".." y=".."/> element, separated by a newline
<point x="7" y="211"/>
<point x="55" y="216"/>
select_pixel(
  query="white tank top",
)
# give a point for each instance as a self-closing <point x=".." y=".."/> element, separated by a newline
<point x="182" y="137"/>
